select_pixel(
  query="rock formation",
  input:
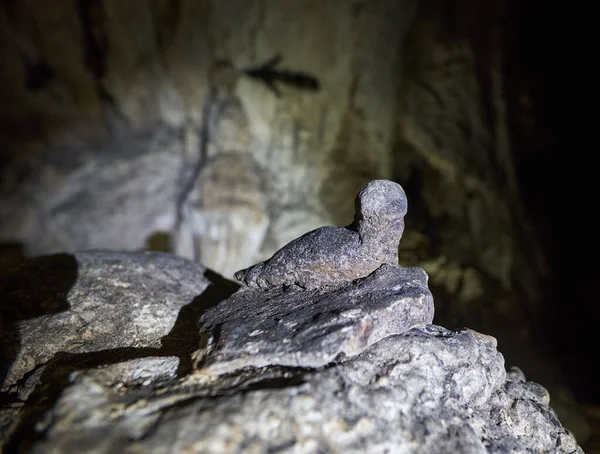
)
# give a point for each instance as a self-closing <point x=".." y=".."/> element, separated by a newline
<point x="334" y="255"/>
<point x="223" y="216"/>
<point x="311" y="328"/>
<point x="104" y="107"/>
<point x="104" y="346"/>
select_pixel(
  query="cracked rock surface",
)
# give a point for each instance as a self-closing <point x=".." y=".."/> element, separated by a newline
<point x="92" y="302"/>
<point x="310" y="328"/>
<point x="421" y="389"/>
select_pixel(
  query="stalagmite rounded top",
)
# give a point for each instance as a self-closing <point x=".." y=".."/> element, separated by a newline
<point x="330" y="256"/>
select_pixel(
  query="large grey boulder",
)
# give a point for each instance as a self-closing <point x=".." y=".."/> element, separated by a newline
<point x="92" y="302"/>
<point x="401" y="385"/>
<point x="429" y="390"/>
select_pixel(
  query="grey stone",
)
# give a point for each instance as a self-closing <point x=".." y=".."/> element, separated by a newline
<point x="136" y="372"/>
<point x="425" y="390"/>
<point x="329" y="256"/>
<point x="295" y="138"/>
<point x="440" y="125"/>
<point x="102" y="301"/>
<point x="114" y="194"/>
<point x="310" y="328"/>
<point x="428" y="390"/>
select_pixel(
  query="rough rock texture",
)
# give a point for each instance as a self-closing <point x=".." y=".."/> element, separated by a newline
<point x="76" y="303"/>
<point x="304" y="328"/>
<point x="425" y="390"/>
<point x="88" y="73"/>
<point x="330" y="256"/>
<point x="428" y="390"/>
<point x="120" y="120"/>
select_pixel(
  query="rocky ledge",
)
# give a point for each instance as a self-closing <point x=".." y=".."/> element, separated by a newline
<point x="327" y="347"/>
<point x="105" y="355"/>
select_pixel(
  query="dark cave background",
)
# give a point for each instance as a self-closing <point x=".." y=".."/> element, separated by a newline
<point x="553" y="349"/>
<point x="569" y="317"/>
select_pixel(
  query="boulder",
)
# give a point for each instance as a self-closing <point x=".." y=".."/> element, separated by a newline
<point x="372" y="374"/>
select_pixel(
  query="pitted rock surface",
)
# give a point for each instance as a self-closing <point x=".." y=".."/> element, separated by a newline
<point x="310" y="328"/>
<point x="330" y="256"/>
<point x="428" y="390"/>
<point x="76" y="303"/>
<point x="425" y="390"/>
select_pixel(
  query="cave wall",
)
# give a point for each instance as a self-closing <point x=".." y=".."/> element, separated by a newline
<point x="233" y="127"/>
<point x="456" y="151"/>
<point x="151" y="100"/>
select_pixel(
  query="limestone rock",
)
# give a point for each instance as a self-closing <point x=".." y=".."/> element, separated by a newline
<point x="311" y="328"/>
<point x="226" y="207"/>
<point x="92" y="302"/>
<point x="427" y="389"/>
<point x="120" y="68"/>
<point x="71" y="71"/>
<point x="333" y="255"/>
<point x="109" y="195"/>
